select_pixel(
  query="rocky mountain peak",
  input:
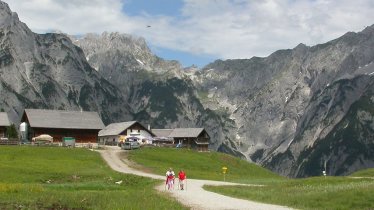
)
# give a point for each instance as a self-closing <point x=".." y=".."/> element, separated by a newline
<point x="300" y="47"/>
<point x="94" y="43"/>
<point x="126" y="53"/>
<point x="369" y="30"/>
<point x="4" y="10"/>
<point x="9" y="22"/>
<point x="7" y="17"/>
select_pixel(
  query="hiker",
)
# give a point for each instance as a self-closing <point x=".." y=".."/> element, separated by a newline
<point x="170" y="175"/>
<point x="182" y="178"/>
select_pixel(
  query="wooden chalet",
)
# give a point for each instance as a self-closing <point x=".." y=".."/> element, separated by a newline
<point x="4" y="123"/>
<point x="116" y="132"/>
<point x="162" y="137"/>
<point x="82" y="126"/>
<point x="194" y="138"/>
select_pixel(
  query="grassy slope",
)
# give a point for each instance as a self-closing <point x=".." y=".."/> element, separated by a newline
<point x="364" y="173"/>
<point x="310" y="193"/>
<point x="201" y="165"/>
<point x="79" y="179"/>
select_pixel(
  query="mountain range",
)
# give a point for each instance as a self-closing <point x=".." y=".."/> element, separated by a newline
<point x="297" y="112"/>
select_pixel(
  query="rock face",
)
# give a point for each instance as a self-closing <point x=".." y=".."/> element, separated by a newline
<point x="159" y="92"/>
<point x="296" y="112"/>
<point x="298" y="108"/>
<point x="49" y="71"/>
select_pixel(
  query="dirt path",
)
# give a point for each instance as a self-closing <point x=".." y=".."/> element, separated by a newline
<point x="195" y="196"/>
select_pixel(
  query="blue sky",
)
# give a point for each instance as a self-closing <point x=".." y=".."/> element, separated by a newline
<point x="153" y="7"/>
<point x="165" y="8"/>
<point x="201" y="31"/>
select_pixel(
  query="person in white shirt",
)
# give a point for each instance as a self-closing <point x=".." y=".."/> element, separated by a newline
<point x="170" y="176"/>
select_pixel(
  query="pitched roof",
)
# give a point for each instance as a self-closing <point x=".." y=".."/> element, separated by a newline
<point x="115" y="128"/>
<point x="4" y="120"/>
<point x="201" y="143"/>
<point x="42" y="118"/>
<point x="162" y="132"/>
<point x="186" y="132"/>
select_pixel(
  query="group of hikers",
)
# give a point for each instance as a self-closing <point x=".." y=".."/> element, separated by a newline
<point x="170" y="178"/>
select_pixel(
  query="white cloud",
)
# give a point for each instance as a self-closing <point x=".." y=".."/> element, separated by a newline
<point x="73" y="16"/>
<point x="222" y="28"/>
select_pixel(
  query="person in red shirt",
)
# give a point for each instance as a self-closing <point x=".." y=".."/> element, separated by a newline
<point x="182" y="178"/>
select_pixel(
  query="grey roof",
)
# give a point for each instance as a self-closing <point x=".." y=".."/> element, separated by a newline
<point x="201" y="143"/>
<point x="162" y="132"/>
<point x="186" y="132"/>
<point x="115" y="128"/>
<point x="4" y="120"/>
<point x="42" y="118"/>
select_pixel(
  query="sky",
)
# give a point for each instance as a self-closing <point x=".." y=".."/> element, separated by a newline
<point x="197" y="32"/>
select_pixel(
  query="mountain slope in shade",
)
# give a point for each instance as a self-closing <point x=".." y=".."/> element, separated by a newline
<point x="158" y="91"/>
<point x="48" y="71"/>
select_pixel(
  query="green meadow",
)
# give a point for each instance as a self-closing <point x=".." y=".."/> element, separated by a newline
<point x="201" y="165"/>
<point x="63" y="178"/>
<point x="310" y="193"/>
<point x="364" y="173"/>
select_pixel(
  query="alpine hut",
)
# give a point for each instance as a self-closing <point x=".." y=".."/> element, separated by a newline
<point x="117" y="133"/>
<point x="82" y="126"/>
<point x="194" y="138"/>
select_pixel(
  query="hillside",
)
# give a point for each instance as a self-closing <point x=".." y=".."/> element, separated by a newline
<point x="63" y="178"/>
<point x="287" y="107"/>
<point x="158" y="91"/>
<point x="49" y="71"/>
<point x="201" y="165"/>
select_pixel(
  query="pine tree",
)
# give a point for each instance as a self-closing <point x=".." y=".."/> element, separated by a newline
<point x="12" y="131"/>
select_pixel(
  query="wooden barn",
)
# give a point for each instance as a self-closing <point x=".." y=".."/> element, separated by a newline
<point x="194" y="138"/>
<point x="4" y="123"/>
<point x="116" y="132"/>
<point x="82" y="126"/>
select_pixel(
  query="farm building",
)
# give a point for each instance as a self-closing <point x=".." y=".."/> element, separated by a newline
<point x="162" y="132"/>
<point x="162" y="137"/>
<point x="116" y="132"/>
<point x="194" y="138"/>
<point x="82" y="126"/>
<point x="4" y="123"/>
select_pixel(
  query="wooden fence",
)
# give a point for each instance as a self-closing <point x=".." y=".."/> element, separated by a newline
<point x="10" y="142"/>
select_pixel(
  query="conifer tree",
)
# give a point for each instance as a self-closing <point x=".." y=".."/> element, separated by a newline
<point x="12" y="131"/>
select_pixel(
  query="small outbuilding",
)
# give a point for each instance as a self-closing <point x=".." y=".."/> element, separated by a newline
<point x="82" y="126"/>
<point x="4" y="123"/>
<point x="116" y="133"/>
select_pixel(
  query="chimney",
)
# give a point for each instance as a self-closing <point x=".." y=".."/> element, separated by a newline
<point x="149" y="127"/>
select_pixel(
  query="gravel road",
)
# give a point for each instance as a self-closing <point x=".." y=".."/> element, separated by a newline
<point x="195" y="196"/>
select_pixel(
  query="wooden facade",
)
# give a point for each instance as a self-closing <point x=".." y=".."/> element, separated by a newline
<point x="200" y="143"/>
<point x="4" y="123"/>
<point x="192" y="138"/>
<point x="80" y="135"/>
<point x="2" y="131"/>
<point x="82" y="126"/>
